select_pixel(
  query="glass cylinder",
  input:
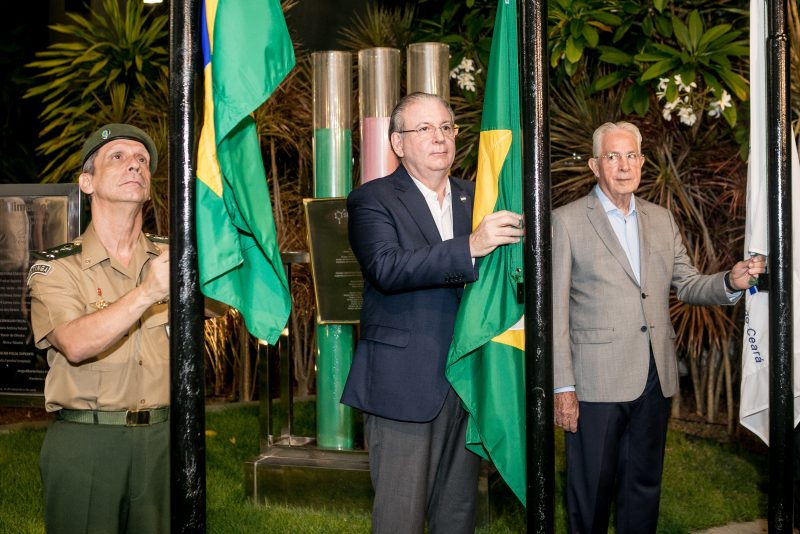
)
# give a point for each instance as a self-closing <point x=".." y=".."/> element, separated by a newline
<point x="333" y="167"/>
<point x="378" y="92"/>
<point x="428" y="69"/>
<point x="332" y="146"/>
<point x="332" y="86"/>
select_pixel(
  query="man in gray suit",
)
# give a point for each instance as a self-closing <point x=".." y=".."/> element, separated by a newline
<point x="615" y="258"/>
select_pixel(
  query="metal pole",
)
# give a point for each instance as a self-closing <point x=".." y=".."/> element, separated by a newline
<point x="779" y="135"/>
<point x="537" y="258"/>
<point x="187" y="423"/>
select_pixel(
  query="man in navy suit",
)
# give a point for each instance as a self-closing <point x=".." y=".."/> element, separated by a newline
<point x="411" y="234"/>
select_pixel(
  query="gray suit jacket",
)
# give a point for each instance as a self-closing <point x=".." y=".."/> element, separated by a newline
<point x="603" y="319"/>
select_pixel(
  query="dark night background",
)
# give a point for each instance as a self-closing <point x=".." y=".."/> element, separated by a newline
<point x="316" y="23"/>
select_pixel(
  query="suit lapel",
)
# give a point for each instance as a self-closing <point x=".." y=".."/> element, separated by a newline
<point x="644" y="241"/>
<point x="599" y="219"/>
<point x="462" y="209"/>
<point x="415" y="203"/>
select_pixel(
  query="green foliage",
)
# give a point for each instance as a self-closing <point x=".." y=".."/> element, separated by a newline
<point x="667" y="57"/>
<point x="575" y="27"/>
<point x="108" y="61"/>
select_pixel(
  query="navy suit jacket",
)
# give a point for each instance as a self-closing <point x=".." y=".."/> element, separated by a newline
<point x="413" y="283"/>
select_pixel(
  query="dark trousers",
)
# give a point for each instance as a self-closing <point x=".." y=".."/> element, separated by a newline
<point x="423" y="469"/>
<point x="618" y="450"/>
<point x="105" y="479"/>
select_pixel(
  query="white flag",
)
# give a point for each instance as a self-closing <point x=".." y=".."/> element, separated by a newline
<point x="754" y="403"/>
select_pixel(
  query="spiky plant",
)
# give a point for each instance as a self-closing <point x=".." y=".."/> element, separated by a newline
<point x="107" y="61"/>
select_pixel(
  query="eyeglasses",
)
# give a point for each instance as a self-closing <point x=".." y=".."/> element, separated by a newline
<point x="428" y="131"/>
<point x="615" y="157"/>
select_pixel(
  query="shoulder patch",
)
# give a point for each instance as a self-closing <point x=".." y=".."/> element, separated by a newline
<point x="61" y="251"/>
<point x="38" y="268"/>
<point x="157" y="238"/>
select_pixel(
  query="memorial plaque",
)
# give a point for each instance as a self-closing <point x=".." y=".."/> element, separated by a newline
<point x="32" y="217"/>
<point x="337" y="276"/>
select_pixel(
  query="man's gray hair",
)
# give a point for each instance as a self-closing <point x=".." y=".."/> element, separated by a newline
<point x="88" y="165"/>
<point x="396" y="121"/>
<point x="602" y="130"/>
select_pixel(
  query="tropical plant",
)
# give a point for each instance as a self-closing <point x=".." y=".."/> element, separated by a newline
<point x="692" y="69"/>
<point x="574" y="27"/>
<point x="106" y="62"/>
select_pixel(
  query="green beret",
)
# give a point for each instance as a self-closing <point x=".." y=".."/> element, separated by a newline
<point x="109" y="132"/>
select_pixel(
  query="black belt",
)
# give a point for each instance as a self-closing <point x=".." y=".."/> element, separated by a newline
<point x="125" y="417"/>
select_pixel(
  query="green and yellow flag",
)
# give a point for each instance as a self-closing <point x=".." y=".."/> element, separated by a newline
<point x="246" y="52"/>
<point x="486" y="365"/>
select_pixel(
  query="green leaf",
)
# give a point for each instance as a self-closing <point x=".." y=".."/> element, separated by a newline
<point x="713" y="84"/>
<point x="663" y="26"/>
<point x="657" y="69"/>
<point x="672" y="91"/>
<point x="730" y="116"/>
<point x="609" y="19"/>
<point x="91" y="87"/>
<point x="681" y="33"/>
<point x="688" y="74"/>
<point x="574" y="50"/>
<point x="647" y="26"/>
<point x="641" y="100"/>
<point x="575" y="28"/>
<point x="612" y="55"/>
<point x="712" y="35"/>
<point x="695" y="29"/>
<point x="621" y="30"/>
<point x="651" y="57"/>
<point x="609" y="80"/>
<point x="735" y="83"/>
<point x="627" y="101"/>
<point x="591" y="36"/>
<point x="659" y="5"/>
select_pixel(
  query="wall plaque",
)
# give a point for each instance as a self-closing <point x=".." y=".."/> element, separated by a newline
<point x="32" y="217"/>
<point x="337" y="276"/>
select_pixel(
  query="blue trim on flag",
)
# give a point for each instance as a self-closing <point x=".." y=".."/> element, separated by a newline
<point x="205" y="40"/>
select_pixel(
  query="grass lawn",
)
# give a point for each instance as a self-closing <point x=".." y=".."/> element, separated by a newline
<point x="705" y="484"/>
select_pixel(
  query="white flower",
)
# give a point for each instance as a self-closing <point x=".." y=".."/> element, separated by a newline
<point x="687" y="115"/>
<point x="466" y="81"/>
<point x="684" y="87"/>
<point x="716" y="107"/>
<point x="662" y="84"/>
<point x="467" y="65"/>
<point x="669" y="107"/>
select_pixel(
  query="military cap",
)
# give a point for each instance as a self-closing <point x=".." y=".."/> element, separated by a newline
<point x="110" y="132"/>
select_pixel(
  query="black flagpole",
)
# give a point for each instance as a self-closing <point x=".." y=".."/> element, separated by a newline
<point x="537" y="259"/>
<point x="779" y="192"/>
<point x="187" y="422"/>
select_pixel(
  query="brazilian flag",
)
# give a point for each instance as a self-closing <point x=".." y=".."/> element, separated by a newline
<point x="486" y="364"/>
<point x="247" y="52"/>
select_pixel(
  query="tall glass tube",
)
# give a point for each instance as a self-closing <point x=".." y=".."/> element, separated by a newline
<point x="428" y="69"/>
<point x="332" y="86"/>
<point x="378" y="92"/>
